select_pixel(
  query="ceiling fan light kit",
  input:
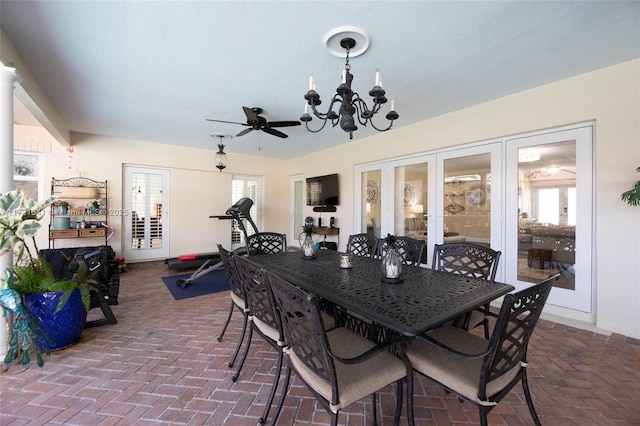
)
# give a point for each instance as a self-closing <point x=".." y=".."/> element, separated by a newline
<point x="220" y="159"/>
<point x="350" y="106"/>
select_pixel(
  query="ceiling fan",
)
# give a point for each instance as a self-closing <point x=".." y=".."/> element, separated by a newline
<point x="256" y="122"/>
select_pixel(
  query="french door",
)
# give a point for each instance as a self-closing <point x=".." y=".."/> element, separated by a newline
<point x="146" y="216"/>
<point x="442" y="197"/>
<point x="529" y="197"/>
<point x="549" y="214"/>
<point x="297" y="205"/>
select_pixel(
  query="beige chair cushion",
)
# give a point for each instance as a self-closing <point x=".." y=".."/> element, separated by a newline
<point x="274" y="334"/>
<point x="266" y="329"/>
<point x="460" y="374"/>
<point x="355" y="381"/>
<point x="238" y="301"/>
<point x="476" y="319"/>
<point x="328" y="320"/>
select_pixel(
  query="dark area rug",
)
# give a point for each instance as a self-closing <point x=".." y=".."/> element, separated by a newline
<point x="211" y="282"/>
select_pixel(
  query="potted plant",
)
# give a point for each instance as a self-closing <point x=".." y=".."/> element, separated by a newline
<point x="62" y="207"/>
<point x="632" y="196"/>
<point x="49" y="313"/>
<point x="95" y="207"/>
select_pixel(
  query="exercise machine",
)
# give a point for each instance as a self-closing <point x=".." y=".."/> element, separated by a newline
<point x="240" y="212"/>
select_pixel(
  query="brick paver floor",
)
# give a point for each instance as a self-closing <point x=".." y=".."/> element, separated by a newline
<point x="162" y="365"/>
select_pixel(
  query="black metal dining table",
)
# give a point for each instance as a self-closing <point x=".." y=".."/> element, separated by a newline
<point x="425" y="299"/>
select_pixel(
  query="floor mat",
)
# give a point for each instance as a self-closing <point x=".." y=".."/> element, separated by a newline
<point x="212" y="282"/>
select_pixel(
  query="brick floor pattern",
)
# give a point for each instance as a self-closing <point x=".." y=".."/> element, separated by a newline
<point x="162" y="365"/>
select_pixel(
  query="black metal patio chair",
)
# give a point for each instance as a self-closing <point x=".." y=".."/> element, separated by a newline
<point x="484" y="371"/>
<point x="266" y="243"/>
<point x="472" y="260"/>
<point x="339" y="366"/>
<point x="238" y="298"/>
<point x="364" y="245"/>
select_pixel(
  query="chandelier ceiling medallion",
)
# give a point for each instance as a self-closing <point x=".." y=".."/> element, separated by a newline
<point x="220" y="159"/>
<point x="349" y="105"/>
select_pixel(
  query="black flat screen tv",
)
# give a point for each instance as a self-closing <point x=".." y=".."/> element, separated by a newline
<point x="323" y="190"/>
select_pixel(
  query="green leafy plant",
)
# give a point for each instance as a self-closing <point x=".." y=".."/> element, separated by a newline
<point x="19" y="223"/>
<point x="632" y="196"/>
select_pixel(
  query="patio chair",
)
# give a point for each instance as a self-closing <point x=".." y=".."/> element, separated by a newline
<point x="409" y="248"/>
<point x="266" y="243"/>
<point x="238" y="298"/>
<point x="364" y="245"/>
<point x="263" y="318"/>
<point x="480" y="371"/>
<point x="338" y="366"/>
<point x="472" y="260"/>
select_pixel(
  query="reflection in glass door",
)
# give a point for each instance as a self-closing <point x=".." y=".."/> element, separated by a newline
<point x="371" y="202"/>
<point x="467" y="199"/>
<point x="470" y="199"/>
<point x="549" y="182"/>
<point x="547" y="213"/>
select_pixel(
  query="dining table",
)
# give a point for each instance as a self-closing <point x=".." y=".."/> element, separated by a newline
<point x="423" y="300"/>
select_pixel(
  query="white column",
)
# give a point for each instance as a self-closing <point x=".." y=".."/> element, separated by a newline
<point x="8" y="78"/>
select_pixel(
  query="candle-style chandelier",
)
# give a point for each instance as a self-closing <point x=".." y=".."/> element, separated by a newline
<point x="350" y="106"/>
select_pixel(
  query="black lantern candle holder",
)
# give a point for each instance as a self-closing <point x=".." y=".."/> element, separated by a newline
<point x="308" y="246"/>
<point x="391" y="262"/>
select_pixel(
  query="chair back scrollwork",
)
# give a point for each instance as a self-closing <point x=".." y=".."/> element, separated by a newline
<point x="266" y="243"/>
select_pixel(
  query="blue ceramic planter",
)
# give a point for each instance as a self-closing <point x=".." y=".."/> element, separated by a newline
<point x="63" y="327"/>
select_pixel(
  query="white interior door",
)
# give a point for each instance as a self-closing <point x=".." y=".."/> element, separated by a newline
<point x="549" y="214"/>
<point x="146" y="199"/>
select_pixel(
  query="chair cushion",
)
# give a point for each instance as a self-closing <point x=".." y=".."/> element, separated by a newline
<point x="239" y="302"/>
<point x="266" y="329"/>
<point x="459" y="374"/>
<point x="328" y="320"/>
<point x="476" y="318"/>
<point x="355" y="381"/>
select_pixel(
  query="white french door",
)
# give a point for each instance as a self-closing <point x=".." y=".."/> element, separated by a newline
<point x="549" y="214"/>
<point x="435" y="197"/>
<point x="146" y="222"/>
<point x="469" y="196"/>
<point x="297" y="205"/>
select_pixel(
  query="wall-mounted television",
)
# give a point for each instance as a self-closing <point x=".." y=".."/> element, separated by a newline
<point x="323" y="190"/>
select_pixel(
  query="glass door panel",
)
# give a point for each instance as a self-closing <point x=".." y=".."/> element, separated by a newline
<point x="146" y="228"/>
<point x="410" y="201"/>
<point x="550" y="177"/>
<point x="467" y="199"/>
<point x="371" y="202"/>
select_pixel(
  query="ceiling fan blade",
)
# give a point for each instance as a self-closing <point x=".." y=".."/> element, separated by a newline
<point x="251" y="116"/>
<point x="283" y="123"/>
<point x="230" y="122"/>
<point x="244" y="132"/>
<point x="274" y="132"/>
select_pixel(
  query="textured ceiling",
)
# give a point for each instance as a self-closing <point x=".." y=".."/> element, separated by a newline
<point x="155" y="70"/>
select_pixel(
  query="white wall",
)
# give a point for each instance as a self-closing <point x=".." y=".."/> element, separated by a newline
<point x="198" y="189"/>
<point x="610" y="96"/>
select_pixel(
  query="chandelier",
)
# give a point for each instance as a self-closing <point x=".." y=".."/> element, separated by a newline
<point x="220" y="159"/>
<point x="346" y="105"/>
